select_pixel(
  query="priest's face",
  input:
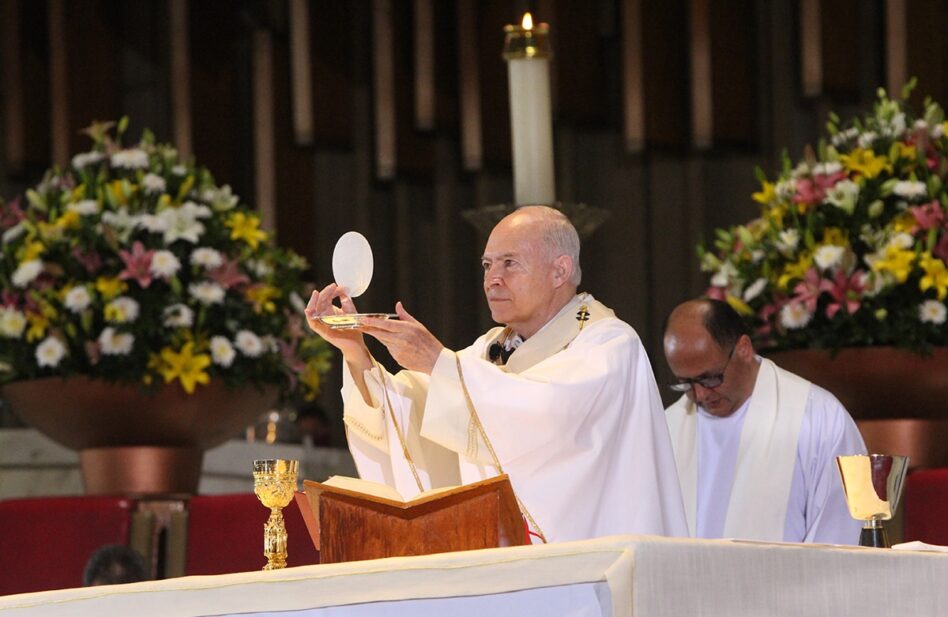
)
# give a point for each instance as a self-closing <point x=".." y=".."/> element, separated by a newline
<point x="520" y="279"/>
<point x="719" y="378"/>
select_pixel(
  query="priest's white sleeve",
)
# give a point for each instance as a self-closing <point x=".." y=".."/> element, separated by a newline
<point x="827" y="431"/>
<point x="374" y="443"/>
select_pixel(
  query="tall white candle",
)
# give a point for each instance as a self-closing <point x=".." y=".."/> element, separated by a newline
<point x="531" y="119"/>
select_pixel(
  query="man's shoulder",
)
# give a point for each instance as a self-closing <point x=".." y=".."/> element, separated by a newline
<point x="609" y="328"/>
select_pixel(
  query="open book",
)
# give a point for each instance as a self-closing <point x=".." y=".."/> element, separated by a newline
<point x="361" y="487"/>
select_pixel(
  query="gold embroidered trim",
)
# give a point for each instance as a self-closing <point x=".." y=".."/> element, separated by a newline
<point x="398" y="432"/>
<point x="475" y="419"/>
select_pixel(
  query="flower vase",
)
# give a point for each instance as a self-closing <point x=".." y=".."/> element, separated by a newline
<point x="135" y="442"/>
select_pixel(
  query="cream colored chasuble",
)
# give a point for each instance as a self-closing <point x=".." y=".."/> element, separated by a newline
<point x="766" y="457"/>
<point x="574" y="417"/>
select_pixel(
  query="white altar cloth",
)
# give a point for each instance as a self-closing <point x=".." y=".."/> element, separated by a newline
<point x="623" y="576"/>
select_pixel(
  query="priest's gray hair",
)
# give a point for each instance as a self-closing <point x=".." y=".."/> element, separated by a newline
<point x="559" y="236"/>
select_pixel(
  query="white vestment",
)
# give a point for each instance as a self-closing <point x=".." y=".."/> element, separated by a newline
<point x="574" y="417"/>
<point x="768" y="471"/>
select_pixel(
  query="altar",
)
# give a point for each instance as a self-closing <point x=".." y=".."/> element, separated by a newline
<point x="621" y="576"/>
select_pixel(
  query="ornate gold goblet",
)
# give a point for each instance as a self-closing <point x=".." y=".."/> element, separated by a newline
<point x="274" y="482"/>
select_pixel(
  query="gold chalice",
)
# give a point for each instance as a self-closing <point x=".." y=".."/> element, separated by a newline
<point x="274" y="482"/>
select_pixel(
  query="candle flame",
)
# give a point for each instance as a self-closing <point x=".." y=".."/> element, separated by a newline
<point x="527" y="23"/>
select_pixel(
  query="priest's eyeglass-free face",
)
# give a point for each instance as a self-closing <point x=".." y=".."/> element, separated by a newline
<point x="708" y="381"/>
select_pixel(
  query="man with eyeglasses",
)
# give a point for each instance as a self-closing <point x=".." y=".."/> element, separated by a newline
<point x="755" y="445"/>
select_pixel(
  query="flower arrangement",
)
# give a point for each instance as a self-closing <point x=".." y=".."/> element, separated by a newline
<point x="851" y="246"/>
<point x="133" y="266"/>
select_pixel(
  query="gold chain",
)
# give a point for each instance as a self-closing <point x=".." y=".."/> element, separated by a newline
<point x="490" y="448"/>
<point x="401" y="438"/>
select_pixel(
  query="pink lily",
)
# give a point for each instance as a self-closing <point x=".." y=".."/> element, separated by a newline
<point x="11" y="214"/>
<point x="846" y="292"/>
<point x="90" y="261"/>
<point x="812" y="191"/>
<point x="941" y="249"/>
<point x="809" y="289"/>
<point x="716" y="293"/>
<point x="928" y="215"/>
<point x="137" y="264"/>
<point x="228" y="275"/>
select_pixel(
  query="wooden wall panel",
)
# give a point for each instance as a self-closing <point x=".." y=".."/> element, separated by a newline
<point x="580" y="64"/>
<point x="667" y="96"/>
<point x="734" y="72"/>
<point x="221" y="94"/>
<point x="927" y="57"/>
<point x="493" y="15"/>
<point x="332" y="26"/>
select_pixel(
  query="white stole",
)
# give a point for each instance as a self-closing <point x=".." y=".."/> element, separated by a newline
<point x="766" y="457"/>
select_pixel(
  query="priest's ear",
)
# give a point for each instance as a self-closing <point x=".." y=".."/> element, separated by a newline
<point x="562" y="270"/>
<point x="744" y="348"/>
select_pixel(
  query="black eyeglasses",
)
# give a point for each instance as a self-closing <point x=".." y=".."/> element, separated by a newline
<point x="709" y="381"/>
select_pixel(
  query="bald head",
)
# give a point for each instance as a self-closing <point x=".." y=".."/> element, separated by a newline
<point x="552" y="229"/>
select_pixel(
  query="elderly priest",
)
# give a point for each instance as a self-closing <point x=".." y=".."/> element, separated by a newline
<point x="561" y="397"/>
<point x="756" y="446"/>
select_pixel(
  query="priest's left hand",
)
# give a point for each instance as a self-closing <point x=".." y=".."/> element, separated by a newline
<point x="407" y="339"/>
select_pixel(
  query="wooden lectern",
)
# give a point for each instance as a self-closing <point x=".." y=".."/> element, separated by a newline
<point x="347" y="525"/>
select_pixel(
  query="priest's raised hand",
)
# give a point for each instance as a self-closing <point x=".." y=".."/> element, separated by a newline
<point x="407" y="339"/>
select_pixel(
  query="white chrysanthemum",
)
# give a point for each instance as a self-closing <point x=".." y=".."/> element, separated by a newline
<point x="14" y="232"/>
<point x="50" y="352"/>
<point x="12" y="322"/>
<point x="827" y="168"/>
<point x="77" y="299"/>
<point x="902" y="240"/>
<point x="794" y="315"/>
<point x="86" y="207"/>
<point x="178" y="316"/>
<point x="26" y="272"/>
<point x="179" y="170"/>
<point x="154" y="183"/>
<point x="115" y="343"/>
<point x="932" y="311"/>
<point x="865" y="140"/>
<point x="122" y="310"/>
<point x="938" y="130"/>
<point x="260" y="268"/>
<point x="85" y="159"/>
<point x="206" y="292"/>
<point x="133" y="158"/>
<point x="828" y="256"/>
<point x="222" y="352"/>
<point x="207" y="258"/>
<point x="249" y="344"/>
<point x="910" y="189"/>
<point x="164" y="264"/>
<point x="787" y="241"/>
<point x="754" y="289"/>
<point x="843" y="195"/>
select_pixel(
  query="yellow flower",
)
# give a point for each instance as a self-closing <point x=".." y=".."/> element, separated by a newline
<point x="896" y="261"/>
<point x="739" y="305"/>
<point x="936" y="275"/>
<point x="904" y="222"/>
<point x="38" y="325"/>
<point x="32" y="250"/>
<point x="766" y="194"/>
<point x="906" y="151"/>
<point x="834" y="236"/>
<point x="310" y="377"/>
<point x="119" y="192"/>
<point x="69" y="220"/>
<point x="109" y="287"/>
<point x="261" y="296"/>
<point x="794" y="271"/>
<point x="245" y="227"/>
<point x="865" y="162"/>
<point x="186" y="367"/>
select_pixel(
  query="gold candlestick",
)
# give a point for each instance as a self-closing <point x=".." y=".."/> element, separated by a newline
<point x="274" y="482"/>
